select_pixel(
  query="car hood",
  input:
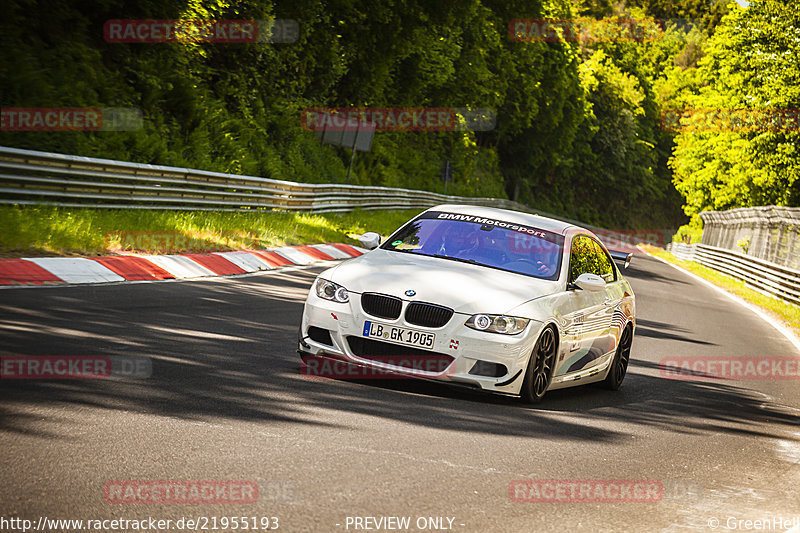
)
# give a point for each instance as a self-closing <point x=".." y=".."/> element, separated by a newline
<point x="463" y="287"/>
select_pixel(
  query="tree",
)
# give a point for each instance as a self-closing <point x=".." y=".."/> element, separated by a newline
<point x="751" y="63"/>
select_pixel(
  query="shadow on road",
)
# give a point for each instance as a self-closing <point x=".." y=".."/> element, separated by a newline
<point x="635" y="271"/>
<point x="224" y="350"/>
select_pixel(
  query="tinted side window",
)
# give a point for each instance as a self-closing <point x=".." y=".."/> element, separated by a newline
<point x="586" y="255"/>
<point x="581" y="257"/>
<point x="605" y="269"/>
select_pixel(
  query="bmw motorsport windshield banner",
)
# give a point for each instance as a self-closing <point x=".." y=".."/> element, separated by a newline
<point x="487" y="223"/>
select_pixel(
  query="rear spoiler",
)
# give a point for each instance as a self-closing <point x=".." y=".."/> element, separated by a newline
<point x="621" y="257"/>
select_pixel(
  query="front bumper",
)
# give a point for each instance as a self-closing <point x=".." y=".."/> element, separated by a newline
<point x="469" y="349"/>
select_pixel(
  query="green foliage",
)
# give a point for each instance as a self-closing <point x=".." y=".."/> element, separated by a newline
<point x="744" y="244"/>
<point x="726" y="169"/>
<point x="688" y="234"/>
<point x="615" y="172"/>
<point x="705" y="14"/>
<point x="577" y="123"/>
<point x="236" y="108"/>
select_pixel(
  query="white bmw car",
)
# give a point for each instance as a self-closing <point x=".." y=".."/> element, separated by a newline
<point x="497" y="300"/>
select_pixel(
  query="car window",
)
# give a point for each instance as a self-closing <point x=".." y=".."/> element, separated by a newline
<point x="481" y="241"/>
<point x="604" y="266"/>
<point x="586" y="255"/>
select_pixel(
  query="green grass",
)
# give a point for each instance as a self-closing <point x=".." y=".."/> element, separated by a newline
<point x="52" y="231"/>
<point x="784" y="312"/>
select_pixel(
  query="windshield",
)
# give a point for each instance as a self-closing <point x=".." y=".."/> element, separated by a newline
<point x="486" y="242"/>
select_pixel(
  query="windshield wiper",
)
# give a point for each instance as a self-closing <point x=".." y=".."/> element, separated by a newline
<point x="470" y="261"/>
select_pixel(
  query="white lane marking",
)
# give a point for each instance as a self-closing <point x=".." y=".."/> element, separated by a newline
<point x="76" y="269"/>
<point x="783" y="330"/>
<point x="332" y="251"/>
<point x="278" y="270"/>
<point x="180" y="266"/>
<point x="294" y="255"/>
<point x="246" y="261"/>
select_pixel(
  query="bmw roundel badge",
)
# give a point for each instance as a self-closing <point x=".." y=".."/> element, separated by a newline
<point x="411" y="292"/>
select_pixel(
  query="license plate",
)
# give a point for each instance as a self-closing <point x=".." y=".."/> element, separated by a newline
<point x="410" y="337"/>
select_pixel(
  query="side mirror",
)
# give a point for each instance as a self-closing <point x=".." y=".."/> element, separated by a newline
<point x="622" y="257"/>
<point x="370" y="240"/>
<point x="590" y="282"/>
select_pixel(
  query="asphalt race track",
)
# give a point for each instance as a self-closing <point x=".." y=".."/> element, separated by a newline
<point x="226" y="401"/>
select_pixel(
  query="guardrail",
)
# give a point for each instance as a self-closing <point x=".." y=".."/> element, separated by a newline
<point x="32" y="177"/>
<point x="764" y="276"/>
<point x="43" y="178"/>
<point x="684" y="252"/>
<point x="769" y="232"/>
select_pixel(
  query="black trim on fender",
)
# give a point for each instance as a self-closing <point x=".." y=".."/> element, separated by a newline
<point x="510" y="381"/>
<point x="302" y="341"/>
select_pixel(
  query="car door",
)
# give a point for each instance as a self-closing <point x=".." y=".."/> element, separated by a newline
<point x="606" y="340"/>
<point x="589" y="315"/>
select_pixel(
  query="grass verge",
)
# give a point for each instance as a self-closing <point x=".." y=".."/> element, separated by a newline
<point x="786" y="313"/>
<point x="38" y="231"/>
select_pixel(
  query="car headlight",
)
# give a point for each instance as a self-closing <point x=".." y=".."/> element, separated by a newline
<point x="332" y="291"/>
<point x="507" y="325"/>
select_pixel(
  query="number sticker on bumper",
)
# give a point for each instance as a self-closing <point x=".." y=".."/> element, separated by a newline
<point x="410" y="337"/>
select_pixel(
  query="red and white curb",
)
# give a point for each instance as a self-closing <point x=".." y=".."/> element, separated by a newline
<point x="72" y="270"/>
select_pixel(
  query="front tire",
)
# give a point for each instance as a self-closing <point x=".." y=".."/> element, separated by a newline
<point x="619" y="366"/>
<point x="540" y="367"/>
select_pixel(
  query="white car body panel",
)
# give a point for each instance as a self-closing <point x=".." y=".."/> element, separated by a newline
<point x="588" y="324"/>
